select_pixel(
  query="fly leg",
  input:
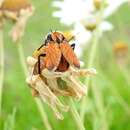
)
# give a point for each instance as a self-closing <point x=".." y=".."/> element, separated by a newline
<point x="73" y="46"/>
<point x="40" y="47"/>
<point x="39" y="62"/>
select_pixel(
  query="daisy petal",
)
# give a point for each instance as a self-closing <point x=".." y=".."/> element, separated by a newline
<point x="113" y="6"/>
<point x="106" y="26"/>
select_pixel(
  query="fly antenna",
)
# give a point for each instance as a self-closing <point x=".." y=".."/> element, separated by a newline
<point x="51" y="30"/>
<point x="55" y="30"/>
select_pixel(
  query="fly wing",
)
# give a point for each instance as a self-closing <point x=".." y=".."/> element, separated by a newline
<point x="63" y="65"/>
<point x="69" y="54"/>
<point x="53" y="55"/>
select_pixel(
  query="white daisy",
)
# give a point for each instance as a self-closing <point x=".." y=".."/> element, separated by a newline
<point x="83" y="14"/>
<point x="72" y="11"/>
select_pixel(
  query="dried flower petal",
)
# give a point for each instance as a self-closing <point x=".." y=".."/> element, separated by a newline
<point x="47" y="95"/>
<point x="54" y="86"/>
<point x="50" y="84"/>
<point x="1" y="2"/>
<point x="31" y="61"/>
<point x="18" y="30"/>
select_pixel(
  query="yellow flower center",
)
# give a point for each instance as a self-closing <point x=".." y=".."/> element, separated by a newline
<point x="91" y="26"/>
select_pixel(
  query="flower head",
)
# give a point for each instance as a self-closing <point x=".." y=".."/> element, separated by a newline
<point x="121" y="52"/>
<point x="120" y="48"/>
<point x="11" y="9"/>
<point x="19" y="11"/>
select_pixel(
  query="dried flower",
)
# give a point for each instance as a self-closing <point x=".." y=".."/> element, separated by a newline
<point x="18" y="11"/>
<point x="50" y="84"/>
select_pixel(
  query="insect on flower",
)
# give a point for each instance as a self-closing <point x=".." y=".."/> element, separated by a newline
<point x="54" y="66"/>
<point x="55" y="54"/>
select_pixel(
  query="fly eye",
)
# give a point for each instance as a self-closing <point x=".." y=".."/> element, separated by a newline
<point x="63" y="38"/>
<point x="58" y="40"/>
<point x="46" y="41"/>
<point x="49" y="38"/>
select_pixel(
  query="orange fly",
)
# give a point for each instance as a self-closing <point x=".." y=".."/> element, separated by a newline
<point x="55" y="54"/>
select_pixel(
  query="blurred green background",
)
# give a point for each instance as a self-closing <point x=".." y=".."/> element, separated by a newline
<point x="112" y="83"/>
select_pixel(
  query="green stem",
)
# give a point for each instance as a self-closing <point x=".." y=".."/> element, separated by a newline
<point x="22" y="59"/>
<point x="43" y="114"/>
<point x="100" y="106"/>
<point x="90" y="64"/>
<point x="87" y="81"/>
<point x="75" y="115"/>
<point x="10" y="121"/>
<point x="38" y="101"/>
<point x="1" y="67"/>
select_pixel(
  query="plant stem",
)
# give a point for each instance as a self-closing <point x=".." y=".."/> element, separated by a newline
<point x="96" y="37"/>
<point x="10" y="121"/>
<point x="75" y="115"/>
<point x="38" y="101"/>
<point x="87" y="81"/>
<point x="22" y="59"/>
<point x="1" y="67"/>
<point x="43" y="114"/>
<point x="100" y="106"/>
